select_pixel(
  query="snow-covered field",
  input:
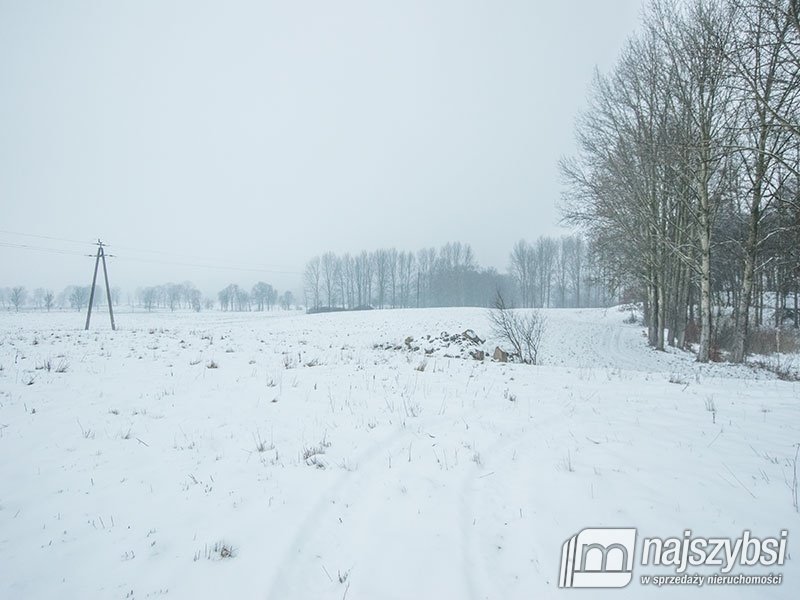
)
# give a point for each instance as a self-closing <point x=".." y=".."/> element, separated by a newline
<point x="326" y="457"/>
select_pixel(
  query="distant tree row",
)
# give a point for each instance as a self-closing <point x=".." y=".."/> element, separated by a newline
<point x="73" y="296"/>
<point x="261" y="297"/>
<point x="552" y="272"/>
<point x="687" y="180"/>
<point x="170" y="296"/>
<point x="557" y="272"/>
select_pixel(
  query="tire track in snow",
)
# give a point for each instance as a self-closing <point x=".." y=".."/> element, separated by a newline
<point x="474" y="568"/>
<point x="623" y="346"/>
<point x="296" y="556"/>
<point x="474" y="491"/>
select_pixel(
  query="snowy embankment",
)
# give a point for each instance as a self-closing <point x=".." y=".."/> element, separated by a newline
<point x="295" y="456"/>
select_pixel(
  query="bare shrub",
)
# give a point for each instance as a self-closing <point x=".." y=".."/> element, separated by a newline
<point x="261" y="445"/>
<point x="760" y="340"/>
<point x="724" y="333"/>
<point x="783" y="369"/>
<point x="218" y="551"/>
<point x="313" y="455"/>
<point x="769" y="340"/>
<point x="522" y="331"/>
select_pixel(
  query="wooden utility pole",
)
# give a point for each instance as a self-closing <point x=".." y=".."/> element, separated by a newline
<point x="101" y="255"/>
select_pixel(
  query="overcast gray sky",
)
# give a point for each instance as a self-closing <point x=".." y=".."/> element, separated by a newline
<point x="261" y="133"/>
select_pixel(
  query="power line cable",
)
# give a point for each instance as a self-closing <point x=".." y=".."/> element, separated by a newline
<point x="201" y="258"/>
<point x="47" y="237"/>
<point x="42" y="249"/>
<point x="146" y="260"/>
<point x="219" y="267"/>
<point x="260" y="267"/>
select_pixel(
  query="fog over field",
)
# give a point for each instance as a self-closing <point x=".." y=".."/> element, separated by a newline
<point x="258" y="134"/>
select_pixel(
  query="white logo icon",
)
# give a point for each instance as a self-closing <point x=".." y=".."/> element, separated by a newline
<point x="598" y="558"/>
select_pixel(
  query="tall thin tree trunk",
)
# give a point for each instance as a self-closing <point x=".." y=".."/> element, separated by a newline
<point x="748" y="276"/>
<point x="704" y="352"/>
<point x="662" y="305"/>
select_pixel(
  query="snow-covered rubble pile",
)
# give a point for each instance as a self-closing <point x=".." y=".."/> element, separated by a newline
<point x="466" y="345"/>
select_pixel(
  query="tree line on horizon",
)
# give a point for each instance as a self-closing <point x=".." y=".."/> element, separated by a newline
<point x="72" y="296"/>
<point x="168" y="296"/>
<point x="687" y="178"/>
<point x="551" y="272"/>
<point x="261" y="297"/>
<point x="171" y="296"/>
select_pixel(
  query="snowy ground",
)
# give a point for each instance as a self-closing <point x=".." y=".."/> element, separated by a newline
<point x="318" y="461"/>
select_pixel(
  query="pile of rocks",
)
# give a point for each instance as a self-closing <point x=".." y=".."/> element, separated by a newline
<point x="466" y="344"/>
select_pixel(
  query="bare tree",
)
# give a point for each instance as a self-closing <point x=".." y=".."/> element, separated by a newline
<point x="523" y="331"/>
<point x="79" y="297"/>
<point x="407" y="263"/>
<point x="174" y="295"/>
<point x="262" y="294"/>
<point x="363" y="273"/>
<point x="287" y="300"/>
<point x="522" y="267"/>
<point x="330" y="269"/>
<point x="347" y="281"/>
<point x="380" y="262"/>
<point x="546" y="252"/>
<point x="224" y="296"/>
<point x="575" y="254"/>
<point x="18" y="296"/>
<point x="311" y="279"/>
<point x="38" y="298"/>
<point x="392" y="274"/>
<point x="194" y="299"/>
<point x="426" y="264"/>
<point x="757" y="55"/>
<point x="658" y="167"/>
<point x="695" y="38"/>
<point x="242" y="298"/>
